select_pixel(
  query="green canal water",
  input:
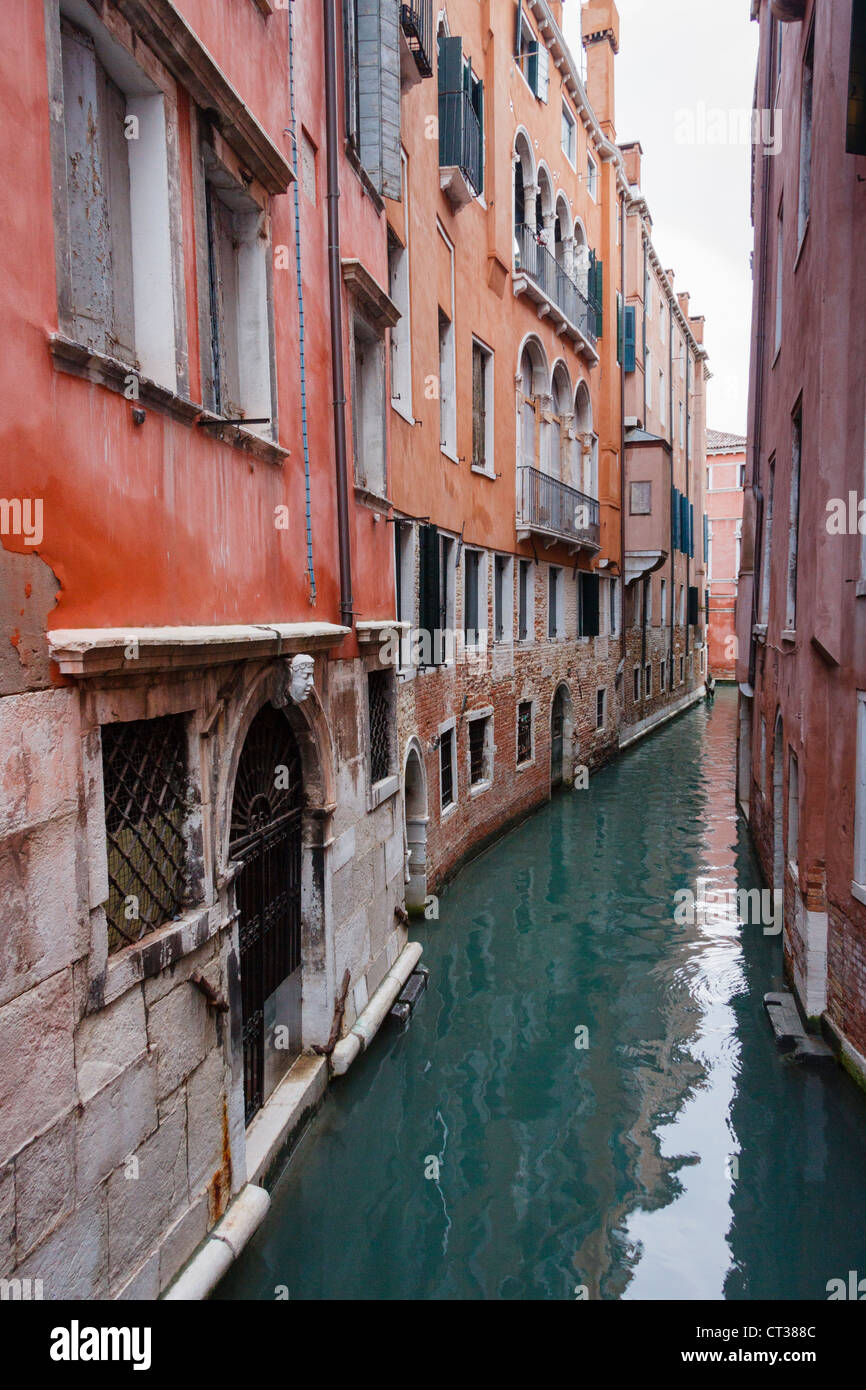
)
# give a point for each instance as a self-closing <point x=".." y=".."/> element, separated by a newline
<point x="676" y="1155"/>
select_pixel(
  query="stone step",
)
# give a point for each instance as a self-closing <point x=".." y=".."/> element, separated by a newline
<point x="791" y="1037"/>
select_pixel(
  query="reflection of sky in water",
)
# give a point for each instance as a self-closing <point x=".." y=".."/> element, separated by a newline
<point x="603" y="1167"/>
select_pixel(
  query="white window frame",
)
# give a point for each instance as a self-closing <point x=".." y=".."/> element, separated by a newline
<point x="489" y="469"/>
<point x="570" y="121"/>
<point x="486" y="782"/>
<point x="448" y="729"/>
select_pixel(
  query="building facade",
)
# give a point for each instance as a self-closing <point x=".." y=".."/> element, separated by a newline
<point x="201" y="820"/>
<point x="801" y="623"/>
<point x="726" y="472"/>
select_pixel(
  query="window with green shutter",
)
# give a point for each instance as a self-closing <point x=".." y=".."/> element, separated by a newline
<point x="629" y="338"/>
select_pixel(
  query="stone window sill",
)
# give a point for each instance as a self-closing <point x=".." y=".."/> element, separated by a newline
<point x="156" y="952"/>
<point x="382" y="791"/>
<point x="525" y="766"/>
<point x="480" y="787"/>
<point x="860" y="589"/>
<point x="484" y="473"/>
<point x="447" y="813"/>
<point x="110" y="372"/>
<point x="858" y="891"/>
<point x="789" y="634"/>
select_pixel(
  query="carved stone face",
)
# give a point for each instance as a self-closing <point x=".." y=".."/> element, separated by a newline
<point x="303" y="672"/>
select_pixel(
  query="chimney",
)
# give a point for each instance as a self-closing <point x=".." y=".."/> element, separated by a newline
<point x="696" y="324"/>
<point x="632" y="154"/>
<point x="600" y="29"/>
<point x="683" y="301"/>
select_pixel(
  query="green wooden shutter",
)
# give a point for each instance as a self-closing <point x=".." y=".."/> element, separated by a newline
<point x="618" y="326"/>
<point x="676" y="517"/>
<point x="629" y="338"/>
<point x="692" y="531"/>
<point x="450" y="101"/>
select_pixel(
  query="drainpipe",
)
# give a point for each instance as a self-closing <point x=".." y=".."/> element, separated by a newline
<point x="758" y="549"/>
<point x="334" y="286"/>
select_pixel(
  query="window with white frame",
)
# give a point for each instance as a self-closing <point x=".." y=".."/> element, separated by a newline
<point x="636" y="675"/>
<point x="401" y="336"/>
<point x="525" y="735"/>
<point x="648" y="600"/>
<point x="447" y="768"/>
<point x="664" y="599"/>
<point x="404" y="584"/>
<point x="447" y="593"/>
<point x="662" y="401"/>
<point x="480" y="749"/>
<point x="447" y="388"/>
<point x="482" y="407"/>
<point x="591" y="177"/>
<point x="368" y="405"/>
<point x="767" y="543"/>
<point x="600" y="708"/>
<point x="662" y="675"/>
<point x="474" y="597"/>
<point x="648" y="378"/>
<point x="648" y="680"/>
<point x="525" y="601"/>
<point x="793" y="809"/>
<point x="569" y="136"/>
<point x="614" y="607"/>
<point x="793" y="521"/>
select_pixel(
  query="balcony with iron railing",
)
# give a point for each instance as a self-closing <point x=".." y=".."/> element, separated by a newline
<point x="416" y="21"/>
<point x="461" y="149"/>
<point x="538" y="274"/>
<point x="556" y="511"/>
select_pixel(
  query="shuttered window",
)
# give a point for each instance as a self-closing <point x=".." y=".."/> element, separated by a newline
<point x="588" y="605"/>
<point x="429" y="591"/>
<point x="629" y="338"/>
<point x="372" y="69"/>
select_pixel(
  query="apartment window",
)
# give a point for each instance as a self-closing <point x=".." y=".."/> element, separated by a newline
<point x="780" y="273"/>
<point x="482" y="407"/>
<point x="662" y="673"/>
<point x="640" y="499"/>
<point x="114" y="214"/>
<point x="681" y="606"/>
<point x="767" y="543"/>
<point x="648" y="295"/>
<point x="503" y="598"/>
<point x="614" y="607"/>
<point x="145" y="789"/>
<point x="662" y="401"/>
<point x="380" y="717"/>
<point x="569" y="136"/>
<point x="738" y="546"/>
<point x="741" y="475"/>
<point x="682" y="669"/>
<point x="600" y="708"/>
<point x="533" y="60"/>
<point x="588" y="605"/>
<point x="401" y="338"/>
<point x="648" y="679"/>
<point x="636" y="675"/>
<point x="709" y="552"/>
<point x="447" y="388"/>
<point x="794" y="521"/>
<point x="447" y="566"/>
<point x="592" y="177"/>
<point x="682" y="427"/>
<point x="805" y="199"/>
<point x="524" y="600"/>
<point x="524" y="732"/>
<point x="480" y="750"/>
<point x="648" y="601"/>
<point x="474" y="598"/>
<point x="446" y="769"/>
<point x="368" y="406"/>
<point x="793" y="809"/>
<point x="662" y="321"/>
<point x="404" y="584"/>
<point x="370" y="39"/>
<point x="664" y="599"/>
<point x="648" y="378"/>
<point x="554" y="602"/>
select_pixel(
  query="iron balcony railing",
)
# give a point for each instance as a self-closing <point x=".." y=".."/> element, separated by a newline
<point x="546" y="504"/>
<point x="416" y="20"/>
<point x="535" y="260"/>
<point x="460" y="137"/>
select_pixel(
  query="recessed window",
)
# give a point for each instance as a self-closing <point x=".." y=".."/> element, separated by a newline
<point x="472" y="598"/>
<point x="524" y="601"/>
<point x="482" y="407"/>
<point x="662" y="676"/>
<point x="503" y="598"/>
<point x="368" y="407"/>
<point x="380" y="726"/>
<point x="447" y="387"/>
<point x="554" y="603"/>
<point x="524" y="732"/>
<point x="640" y="499"/>
<point x="144" y="779"/>
<point x="592" y="177"/>
<point x="682" y="669"/>
<point x="600" y="708"/>
<point x="793" y="522"/>
<point x="636" y="678"/>
<point x="480" y="750"/>
<point x="401" y="342"/>
<point x="446" y="769"/>
<point x="780" y="274"/>
<point x="569" y="136"/>
<point x="805" y="199"/>
<point x="648" y="680"/>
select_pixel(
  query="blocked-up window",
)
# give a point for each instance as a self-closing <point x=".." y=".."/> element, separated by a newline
<point x="238" y="365"/>
<point x="379" y="708"/>
<point x="641" y="499"/>
<point x="524" y="731"/>
<point x="116" y="220"/>
<point x="145" y="786"/>
<point x="368" y="406"/>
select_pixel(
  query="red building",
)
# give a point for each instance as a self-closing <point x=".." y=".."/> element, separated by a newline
<point x="801" y="620"/>
<point x="726" y="471"/>
<point x="200" y="832"/>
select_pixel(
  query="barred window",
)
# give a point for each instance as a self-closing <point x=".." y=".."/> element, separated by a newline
<point x="524" y="731"/>
<point x="446" y="768"/>
<point x="145" y="785"/>
<point x="379" y="705"/>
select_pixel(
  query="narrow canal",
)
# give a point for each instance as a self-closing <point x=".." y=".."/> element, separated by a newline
<point x="676" y="1155"/>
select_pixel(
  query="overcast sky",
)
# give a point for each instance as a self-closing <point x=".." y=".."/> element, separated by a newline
<point x="684" y="73"/>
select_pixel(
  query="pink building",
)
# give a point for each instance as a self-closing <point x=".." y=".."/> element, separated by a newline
<point x="726" y="471"/>
<point x="801" y="607"/>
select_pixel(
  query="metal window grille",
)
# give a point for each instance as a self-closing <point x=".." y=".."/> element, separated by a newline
<point x="446" y="770"/>
<point x="524" y="732"/>
<point x="145" y="784"/>
<point x="599" y="709"/>
<point x="477" y="730"/>
<point x="380" y="725"/>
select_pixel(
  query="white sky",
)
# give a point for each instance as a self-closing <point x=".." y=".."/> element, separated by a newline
<point x="684" y="73"/>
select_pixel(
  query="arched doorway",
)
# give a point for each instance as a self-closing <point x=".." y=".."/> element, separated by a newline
<point x="266" y="837"/>
<point x="561" y="739"/>
<point x="415" y="811"/>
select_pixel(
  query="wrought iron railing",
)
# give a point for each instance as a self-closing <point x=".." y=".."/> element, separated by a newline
<point x="460" y="137"/>
<point x="537" y="261"/>
<point x="416" y="19"/>
<point x="546" y="504"/>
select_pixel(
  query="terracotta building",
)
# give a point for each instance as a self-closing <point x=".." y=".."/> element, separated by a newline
<point x="509" y="250"/>
<point x="201" y="827"/>
<point x="801" y="621"/>
<point x="726" y="471"/>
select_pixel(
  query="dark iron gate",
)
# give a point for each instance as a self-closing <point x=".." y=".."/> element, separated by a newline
<point x="557" y="722"/>
<point x="266" y="836"/>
